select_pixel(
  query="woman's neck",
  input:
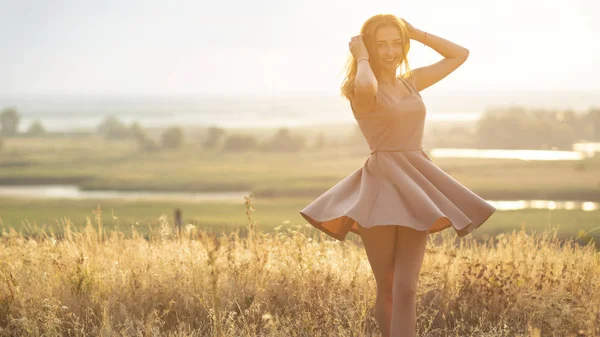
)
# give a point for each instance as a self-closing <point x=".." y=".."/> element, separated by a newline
<point x="387" y="78"/>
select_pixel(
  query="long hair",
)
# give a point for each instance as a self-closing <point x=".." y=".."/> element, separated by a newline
<point x="368" y="31"/>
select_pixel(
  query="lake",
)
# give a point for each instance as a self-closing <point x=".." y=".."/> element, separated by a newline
<point x="510" y="154"/>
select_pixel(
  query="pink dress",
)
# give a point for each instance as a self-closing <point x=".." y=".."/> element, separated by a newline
<point x="398" y="184"/>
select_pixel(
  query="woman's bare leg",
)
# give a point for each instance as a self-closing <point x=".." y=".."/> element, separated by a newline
<point x="408" y="259"/>
<point x="380" y="244"/>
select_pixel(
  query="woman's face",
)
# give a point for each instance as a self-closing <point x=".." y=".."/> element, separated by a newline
<point x="390" y="47"/>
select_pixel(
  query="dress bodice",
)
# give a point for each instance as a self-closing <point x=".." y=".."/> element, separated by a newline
<point x="394" y="123"/>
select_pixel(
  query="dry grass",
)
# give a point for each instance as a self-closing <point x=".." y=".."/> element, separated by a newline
<point x="97" y="283"/>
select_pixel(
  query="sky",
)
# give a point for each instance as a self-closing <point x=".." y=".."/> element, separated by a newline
<point x="278" y="47"/>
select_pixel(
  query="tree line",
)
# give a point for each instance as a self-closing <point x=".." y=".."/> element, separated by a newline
<point x="513" y="127"/>
<point x="172" y="137"/>
<point x="520" y="128"/>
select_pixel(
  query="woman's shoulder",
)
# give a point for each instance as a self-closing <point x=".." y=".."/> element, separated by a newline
<point x="364" y="104"/>
<point x="409" y="78"/>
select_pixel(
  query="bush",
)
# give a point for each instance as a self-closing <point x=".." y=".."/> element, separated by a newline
<point x="9" y="121"/>
<point x="284" y="141"/>
<point x="113" y="128"/>
<point x="144" y="142"/>
<point x="172" y="138"/>
<point x="239" y="143"/>
<point x="36" y="129"/>
<point x="148" y="145"/>
<point x="519" y="128"/>
<point x="214" y="137"/>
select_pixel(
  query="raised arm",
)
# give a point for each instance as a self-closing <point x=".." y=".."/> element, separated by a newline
<point x="365" y="83"/>
<point x="454" y="56"/>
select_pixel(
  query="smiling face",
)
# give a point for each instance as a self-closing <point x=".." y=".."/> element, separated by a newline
<point x="390" y="48"/>
<point x="387" y="41"/>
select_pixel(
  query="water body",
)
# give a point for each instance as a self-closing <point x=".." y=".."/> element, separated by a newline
<point x="507" y="205"/>
<point x="510" y="154"/>
<point x="73" y="192"/>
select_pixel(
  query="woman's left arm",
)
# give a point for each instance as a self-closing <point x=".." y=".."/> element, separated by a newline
<point x="454" y="56"/>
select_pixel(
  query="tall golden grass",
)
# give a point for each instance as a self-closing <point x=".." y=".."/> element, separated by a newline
<point x="94" y="282"/>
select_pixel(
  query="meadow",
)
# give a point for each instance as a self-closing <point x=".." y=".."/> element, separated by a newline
<point x="97" y="164"/>
<point x="281" y="183"/>
<point x="95" y="281"/>
<point x="256" y="268"/>
<point x="29" y="217"/>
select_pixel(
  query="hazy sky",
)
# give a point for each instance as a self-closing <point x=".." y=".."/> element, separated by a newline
<point x="268" y="47"/>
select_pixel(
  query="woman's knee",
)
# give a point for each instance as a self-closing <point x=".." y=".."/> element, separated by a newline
<point x="385" y="286"/>
<point x="385" y="296"/>
<point x="404" y="291"/>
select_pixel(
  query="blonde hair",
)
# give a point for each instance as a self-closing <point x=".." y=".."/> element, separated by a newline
<point x="368" y="31"/>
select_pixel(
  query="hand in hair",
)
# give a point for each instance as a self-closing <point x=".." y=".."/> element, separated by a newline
<point x="410" y="28"/>
<point x="358" y="48"/>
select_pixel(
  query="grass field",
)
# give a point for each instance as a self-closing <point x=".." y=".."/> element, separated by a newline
<point x="287" y="283"/>
<point x="32" y="215"/>
<point x="109" y="267"/>
<point x="282" y="183"/>
<point x="93" y="163"/>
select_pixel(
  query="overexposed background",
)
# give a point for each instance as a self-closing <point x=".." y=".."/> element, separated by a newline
<point x="269" y="47"/>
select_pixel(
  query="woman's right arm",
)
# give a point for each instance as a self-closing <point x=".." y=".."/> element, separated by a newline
<point x="365" y="83"/>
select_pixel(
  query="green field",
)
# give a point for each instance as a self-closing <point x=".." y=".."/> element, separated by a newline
<point x="96" y="164"/>
<point x="29" y="216"/>
<point x="282" y="183"/>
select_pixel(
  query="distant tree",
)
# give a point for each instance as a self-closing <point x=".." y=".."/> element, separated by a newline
<point x="518" y="128"/>
<point x="112" y="128"/>
<point x="135" y="128"/>
<point x="9" y="122"/>
<point x="145" y="143"/>
<point x="137" y="131"/>
<point x="239" y="143"/>
<point x="36" y="129"/>
<point x="214" y="137"/>
<point x="567" y="116"/>
<point x="148" y="145"/>
<point x="592" y="124"/>
<point x="172" y="138"/>
<point x="504" y="128"/>
<point x="284" y="141"/>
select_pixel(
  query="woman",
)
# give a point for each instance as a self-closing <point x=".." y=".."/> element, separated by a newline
<point x="399" y="195"/>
